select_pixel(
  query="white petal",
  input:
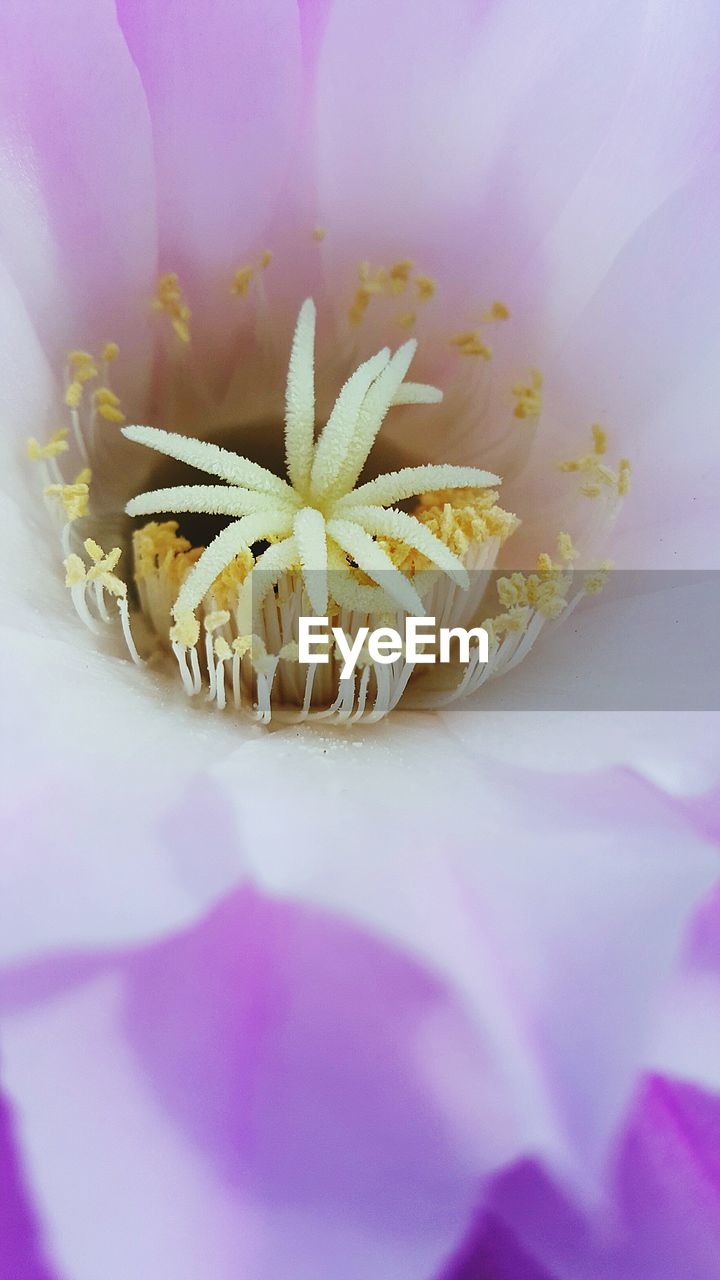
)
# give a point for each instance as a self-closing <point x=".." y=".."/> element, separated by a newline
<point x="238" y="537"/>
<point x="372" y="415"/>
<point x="300" y="399"/>
<point x="376" y="563"/>
<point x="505" y="881"/>
<point x="405" y="528"/>
<point x="337" y="437"/>
<point x="311" y="538"/>
<point x="211" y="458"/>
<point x="268" y="569"/>
<point x="397" y="485"/>
<point x="223" y="500"/>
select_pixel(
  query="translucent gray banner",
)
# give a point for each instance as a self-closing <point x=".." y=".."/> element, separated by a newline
<point x="646" y="641"/>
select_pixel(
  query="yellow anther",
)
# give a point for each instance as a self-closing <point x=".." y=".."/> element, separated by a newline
<point x="566" y="549"/>
<point x="399" y="274"/>
<point x="359" y="305"/>
<point x="242" y="645"/>
<point x="371" y="282"/>
<point x="103" y="566"/>
<point x="85" y="373"/>
<point x="73" y="395"/>
<point x="457" y="517"/>
<point x="218" y="618"/>
<point x="101" y="570"/>
<point x="106" y="403"/>
<point x="599" y="475"/>
<point x="596" y="581"/>
<point x="169" y="298"/>
<point x="111" y="559"/>
<point x="499" y="311"/>
<point x="265" y="259"/>
<point x="407" y="319"/>
<point x="74" y="497"/>
<point x="374" y="281"/>
<point x="222" y="649"/>
<point x="469" y="343"/>
<point x="74" y="570"/>
<point x="477" y="348"/>
<point x="79" y="358"/>
<point x="544" y="563"/>
<point x="545" y="594"/>
<point x="94" y="550"/>
<point x="104" y="395"/>
<point x="83" y="477"/>
<point x="290" y="652"/>
<point x="426" y="287"/>
<point x="528" y="396"/>
<point x="600" y="439"/>
<point x="110" y="414"/>
<point x="319" y="233"/>
<point x="55" y="445"/>
<point x="110" y="352"/>
<point x="516" y="619"/>
<point x="186" y="631"/>
<point x="241" y="280"/>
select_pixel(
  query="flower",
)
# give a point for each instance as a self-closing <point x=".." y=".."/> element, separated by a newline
<point x="660" y="1222"/>
<point x="276" y="1000"/>
<point x="320" y="513"/>
<point x="308" y="1092"/>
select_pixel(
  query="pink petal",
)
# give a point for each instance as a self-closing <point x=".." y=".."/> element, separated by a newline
<point x="222" y="85"/>
<point x="661" y="1218"/>
<point x="475" y="132"/>
<point x="525" y="892"/>
<point x="642" y="360"/>
<point x="77" y="199"/>
<point x="259" y="1097"/>
<point x="19" y="1246"/>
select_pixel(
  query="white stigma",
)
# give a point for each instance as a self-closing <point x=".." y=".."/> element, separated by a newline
<point x="319" y="518"/>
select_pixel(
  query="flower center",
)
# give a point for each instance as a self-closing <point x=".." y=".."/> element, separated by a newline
<point x="419" y="540"/>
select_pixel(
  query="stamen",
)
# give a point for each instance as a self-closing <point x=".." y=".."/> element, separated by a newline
<point x="399" y="274"/>
<point x="426" y="287"/>
<point x="347" y="553"/>
<point x="169" y="298"/>
<point x="56" y="445"/>
<point x="470" y="343"/>
<point x="73" y="497"/>
<point x="598" y="476"/>
<point x="528" y="396"/>
<point x="241" y="281"/>
<point x="498" y="311"/>
<point x="107" y="405"/>
<point x="73" y="395"/>
<point x="300" y="400"/>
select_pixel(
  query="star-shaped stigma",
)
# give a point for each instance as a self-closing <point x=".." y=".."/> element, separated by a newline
<point x="317" y="520"/>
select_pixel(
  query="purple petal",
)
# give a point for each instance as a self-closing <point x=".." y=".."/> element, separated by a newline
<point x="222" y="84"/>
<point x="661" y="1218"/>
<point x="260" y="1097"/>
<point x="20" y="1250"/>
<point x="77" y="198"/>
